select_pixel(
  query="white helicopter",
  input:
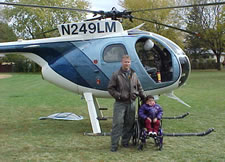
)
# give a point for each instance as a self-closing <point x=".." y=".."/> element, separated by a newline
<point x="86" y="54"/>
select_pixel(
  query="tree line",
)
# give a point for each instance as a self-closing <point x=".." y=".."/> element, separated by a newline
<point x="207" y="22"/>
<point x="32" y="23"/>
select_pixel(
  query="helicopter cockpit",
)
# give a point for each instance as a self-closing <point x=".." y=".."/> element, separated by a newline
<point x="156" y="59"/>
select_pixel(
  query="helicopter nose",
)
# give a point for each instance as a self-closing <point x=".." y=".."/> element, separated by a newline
<point x="186" y="69"/>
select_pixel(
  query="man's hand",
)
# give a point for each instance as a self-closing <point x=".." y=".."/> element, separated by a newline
<point x="133" y="96"/>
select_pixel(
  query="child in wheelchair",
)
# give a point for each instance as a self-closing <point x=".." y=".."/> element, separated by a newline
<point x="151" y="114"/>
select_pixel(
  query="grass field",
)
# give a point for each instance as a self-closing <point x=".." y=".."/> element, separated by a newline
<point x="26" y="97"/>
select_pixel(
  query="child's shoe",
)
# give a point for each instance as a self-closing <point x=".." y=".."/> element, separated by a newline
<point x="154" y="134"/>
<point x="150" y="133"/>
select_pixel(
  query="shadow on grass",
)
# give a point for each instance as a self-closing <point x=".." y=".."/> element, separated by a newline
<point x="40" y="127"/>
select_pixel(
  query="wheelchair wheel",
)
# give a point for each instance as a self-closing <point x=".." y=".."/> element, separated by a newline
<point x="142" y="139"/>
<point x="140" y="147"/>
<point x="159" y="142"/>
<point x="136" y="133"/>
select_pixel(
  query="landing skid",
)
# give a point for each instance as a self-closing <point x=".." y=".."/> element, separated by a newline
<point x="177" y="117"/>
<point x="189" y="134"/>
<point x="210" y="130"/>
<point x="95" y="114"/>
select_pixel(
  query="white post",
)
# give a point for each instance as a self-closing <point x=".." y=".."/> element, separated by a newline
<point x="92" y="112"/>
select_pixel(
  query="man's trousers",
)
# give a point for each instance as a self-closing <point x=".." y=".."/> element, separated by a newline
<point x="123" y="121"/>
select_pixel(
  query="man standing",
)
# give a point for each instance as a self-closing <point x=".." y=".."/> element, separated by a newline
<point x="124" y="86"/>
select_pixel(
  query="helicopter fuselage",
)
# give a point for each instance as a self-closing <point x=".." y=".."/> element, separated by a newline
<point x="85" y="63"/>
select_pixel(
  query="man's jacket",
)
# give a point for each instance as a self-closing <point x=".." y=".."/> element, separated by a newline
<point x="124" y="88"/>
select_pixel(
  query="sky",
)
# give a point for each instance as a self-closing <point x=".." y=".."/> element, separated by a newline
<point x="101" y="4"/>
<point x="104" y="5"/>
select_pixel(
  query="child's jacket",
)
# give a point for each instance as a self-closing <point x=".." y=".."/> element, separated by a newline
<point x="150" y="111"/>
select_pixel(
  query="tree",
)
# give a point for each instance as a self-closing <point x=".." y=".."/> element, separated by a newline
<point x="7" y="33"/>
<point x="30" y="22"/>
<point x="209" y="23"/>
<point x="168" y="17"/>
<point x="1" y="15"/>
<point x="20" y="62"/>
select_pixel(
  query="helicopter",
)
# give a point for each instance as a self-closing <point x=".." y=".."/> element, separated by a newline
<point x="86" y="54"/>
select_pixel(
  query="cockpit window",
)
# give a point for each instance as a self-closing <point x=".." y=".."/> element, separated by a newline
<point x="156" y="60"/>
<point x="114" y="53"/>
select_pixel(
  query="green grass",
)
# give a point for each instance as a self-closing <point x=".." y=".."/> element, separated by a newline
<point x="26" y="97"/>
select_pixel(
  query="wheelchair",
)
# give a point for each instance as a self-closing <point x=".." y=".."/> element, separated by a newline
<point x="140" y="135"/>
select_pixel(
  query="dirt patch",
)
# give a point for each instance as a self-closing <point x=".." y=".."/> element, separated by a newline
<point x="3" y="76"/>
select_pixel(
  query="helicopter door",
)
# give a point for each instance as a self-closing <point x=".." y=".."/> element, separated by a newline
<point x="112" y="55"/>
<point x="155" y="59"/>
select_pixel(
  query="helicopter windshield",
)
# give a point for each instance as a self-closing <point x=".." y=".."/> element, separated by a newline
<point x="155" y="59"/>
<point x="172" y="45"/>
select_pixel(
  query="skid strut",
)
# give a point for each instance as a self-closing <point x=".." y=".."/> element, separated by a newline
<point x="93" y="113"/>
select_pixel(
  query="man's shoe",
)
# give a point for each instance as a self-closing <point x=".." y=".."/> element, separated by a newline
<point x="113" y="149"/>
<point x="125" y="145"/>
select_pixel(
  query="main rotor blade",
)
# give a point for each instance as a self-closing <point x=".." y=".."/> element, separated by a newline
<point x="49" y="31"/>
<point x="185" y="6"/>
<point x="95" y="18"/>
<point x="51" y="7"/>
<point x="169" y="26"/>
